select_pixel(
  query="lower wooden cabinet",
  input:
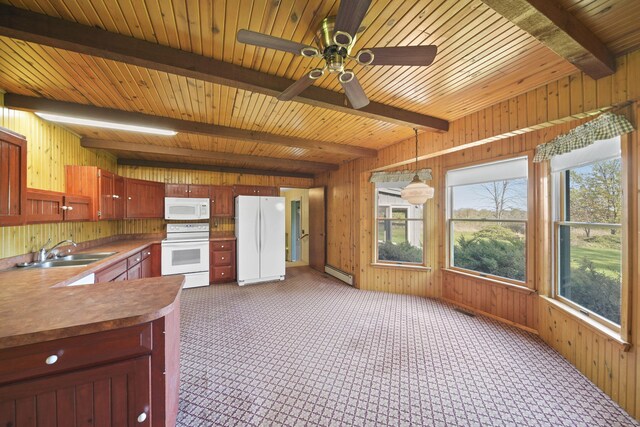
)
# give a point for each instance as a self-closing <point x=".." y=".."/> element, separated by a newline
<point x="222" y="261"/>
<point x="115" y="394"/>
<point x="126" y="376"/>
<point x="140" y="265"/>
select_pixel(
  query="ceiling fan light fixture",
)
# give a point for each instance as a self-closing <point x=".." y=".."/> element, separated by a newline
<point x="316" y="73"/>
<point x="310" y="52"/>
<point x="346" y="76"/>
<point x="365" y="57"/>
<point x="342" y="39"/>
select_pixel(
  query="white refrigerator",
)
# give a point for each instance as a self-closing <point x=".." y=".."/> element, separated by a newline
<point x="260" y="239"/>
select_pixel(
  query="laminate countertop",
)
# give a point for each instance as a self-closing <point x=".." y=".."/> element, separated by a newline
<point x="35" y="304"/>
<point x="223" y="235"/>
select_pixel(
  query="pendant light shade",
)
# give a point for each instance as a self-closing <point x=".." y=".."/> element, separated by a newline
<point x="417" y="192"/>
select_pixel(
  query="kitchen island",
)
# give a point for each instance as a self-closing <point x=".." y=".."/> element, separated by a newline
<point x="105" y="353"/>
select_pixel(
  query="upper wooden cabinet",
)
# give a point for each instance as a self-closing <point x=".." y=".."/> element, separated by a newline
<point x="186" y="190"/>
<point x="222" y="201"/>
<point x="13" y="178"/>
<point x="144" y="199"/>
<point x="52" y="206"/>
<point x="104" y="188"/>
<point x="255" y="190"/>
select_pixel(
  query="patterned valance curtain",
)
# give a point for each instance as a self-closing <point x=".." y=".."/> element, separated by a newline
<point x="606" y="126"/>
<point x="401" y="176"/>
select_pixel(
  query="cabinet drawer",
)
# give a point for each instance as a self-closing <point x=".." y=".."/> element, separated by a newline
<point x="220" y="274"/>
<point x="51" y="357"/>
<point x="122" y="277"/>
<point x="111" y="272"/>
<point x="146" y="252"/>
<point x="222" y="258"/>
<point x="224" y="245"/>
<point x="134" y="259"/>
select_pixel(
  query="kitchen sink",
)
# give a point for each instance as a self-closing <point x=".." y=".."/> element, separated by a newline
<point x="64" y="263"/>
<point x="94" y="256"/>
<point x="73" y="260"/>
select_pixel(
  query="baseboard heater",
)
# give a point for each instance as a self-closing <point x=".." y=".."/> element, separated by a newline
<point x="339" y="274"/>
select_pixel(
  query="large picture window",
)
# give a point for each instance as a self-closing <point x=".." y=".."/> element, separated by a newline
<point x="487" y="217"/>
<point x="588" y="211"/>
<point x="400" y="227"/>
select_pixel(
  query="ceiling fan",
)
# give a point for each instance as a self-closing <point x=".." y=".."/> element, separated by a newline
<point x="335" y="38"/>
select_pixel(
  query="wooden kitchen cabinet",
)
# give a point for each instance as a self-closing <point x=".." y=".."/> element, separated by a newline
<point x="102" y="187"/>
<point x="222" y="201"/>
<point x="222" y="261"/>
<point x="186" y="190"/>
<point x="255" y="190"/>
<point x="143" y="199"/>
<point x="125" y="376"/>
<point x="140" y="265"/>
<point x="118" y="197"/>
<point x="13" y="178"/>
<point x="51" y="206"/>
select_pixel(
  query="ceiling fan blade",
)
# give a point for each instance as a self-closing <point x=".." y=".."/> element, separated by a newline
<point x="296" y="88"/>
<point x="350" y="15"/>
<point x="355" y="93"/>
<point x="270" y="42"/>
<point x="402" y="55"/>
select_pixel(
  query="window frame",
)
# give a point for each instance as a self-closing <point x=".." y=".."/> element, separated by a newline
<point x="559" y="200"/>
<point x="529" y="249"/>
<point x="376" y="219"/>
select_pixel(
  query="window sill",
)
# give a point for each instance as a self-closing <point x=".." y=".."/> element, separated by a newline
<point x="590" y="323"/>
<point x="491" y="281"/>
<point x="400" y="266"/>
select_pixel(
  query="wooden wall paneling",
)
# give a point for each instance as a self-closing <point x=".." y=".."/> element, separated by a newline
<point x="50" y="148"/>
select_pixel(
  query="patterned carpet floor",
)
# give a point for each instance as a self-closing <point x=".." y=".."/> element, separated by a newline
<point x="313" y="351"/>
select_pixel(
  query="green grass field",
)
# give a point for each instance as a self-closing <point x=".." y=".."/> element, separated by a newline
<point x="604" y="260"/>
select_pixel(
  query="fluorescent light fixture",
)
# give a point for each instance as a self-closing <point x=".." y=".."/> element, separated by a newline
<point x="102" y="124"/>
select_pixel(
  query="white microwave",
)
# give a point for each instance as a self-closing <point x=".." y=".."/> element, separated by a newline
<point x="182" y="208"/>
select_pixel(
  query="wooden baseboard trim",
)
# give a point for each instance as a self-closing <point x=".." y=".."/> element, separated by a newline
<point x="492" y="316"/>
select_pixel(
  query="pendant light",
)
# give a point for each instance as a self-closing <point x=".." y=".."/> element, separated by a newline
<point x="417" y="192"/>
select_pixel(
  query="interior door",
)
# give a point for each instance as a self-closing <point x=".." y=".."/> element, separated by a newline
<point x="248" y="237"/>
<point x="317" y="229"/>
<point x="272" y="236"/>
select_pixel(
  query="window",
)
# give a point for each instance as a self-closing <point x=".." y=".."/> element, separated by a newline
<point x="400" y="226"/>
<point x="587" y="226"/>
<point x="487" y="218"/>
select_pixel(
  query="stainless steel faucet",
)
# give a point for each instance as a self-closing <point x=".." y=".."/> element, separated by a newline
<point x="43" y="253"/>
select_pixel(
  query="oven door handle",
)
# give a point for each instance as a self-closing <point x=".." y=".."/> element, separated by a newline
<point x="196" y="245"/>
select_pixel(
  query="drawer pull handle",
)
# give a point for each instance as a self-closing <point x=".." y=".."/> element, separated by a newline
<point x="223" y="258"/>
<point x="222" y="274"/>
<point x="51" y="359"/>
<point x="222" y="246"/>
<point x="142" y="417"/>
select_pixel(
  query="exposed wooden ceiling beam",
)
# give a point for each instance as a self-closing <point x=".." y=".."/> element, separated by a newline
<point x="21" y="102"/>
<point x="212" y="168"/>
<point x="561" y="32"/>
<point x="270" y="162"/>
<point x="42" y="29"/>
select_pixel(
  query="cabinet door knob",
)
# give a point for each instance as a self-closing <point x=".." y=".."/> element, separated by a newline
<point x="70" y="208"/>
<point x="51" y="359"/>
<point x="222" y="246"/>
<point x="142" y="417"/>
<point x="223" y="258"/>
<point x="64" y="208"/>
<point x="222" y="274"/>
<point x="137" y="259"/>
<point x="128" y="198"/>
<point x="148" y="253"/>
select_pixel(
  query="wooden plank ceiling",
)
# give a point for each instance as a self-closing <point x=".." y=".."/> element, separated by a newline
<point x="482" y="59"/>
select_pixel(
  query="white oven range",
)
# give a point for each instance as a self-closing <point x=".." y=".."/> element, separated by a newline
<point x="186" y="251"/>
